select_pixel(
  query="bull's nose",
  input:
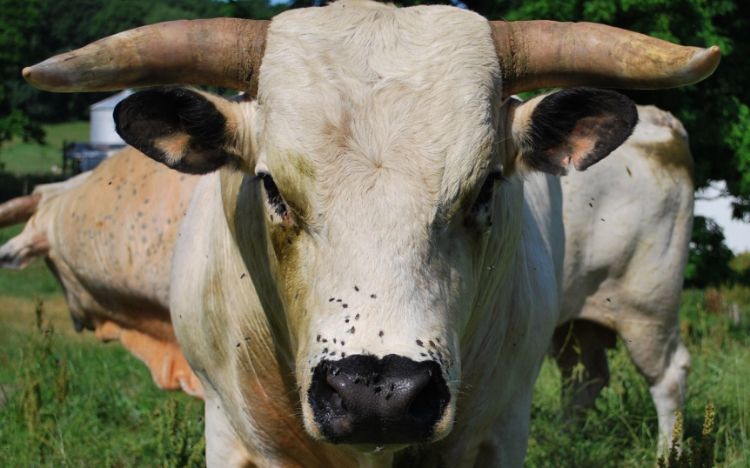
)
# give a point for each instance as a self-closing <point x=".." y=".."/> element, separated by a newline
<point x="365" y="400"/>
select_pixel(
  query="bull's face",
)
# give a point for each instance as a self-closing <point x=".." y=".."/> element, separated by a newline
<point x="387" y="232"/>
<point x="383" y="174"/>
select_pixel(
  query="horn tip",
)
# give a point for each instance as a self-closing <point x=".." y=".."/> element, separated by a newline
<point x="35" y="75"/>
<point x="705" y="61"/>
<point x="49" y="76"/>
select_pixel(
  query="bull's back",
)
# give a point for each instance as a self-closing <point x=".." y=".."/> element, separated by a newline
<point x="627" y="223"/>
<point x="114" y="236"/>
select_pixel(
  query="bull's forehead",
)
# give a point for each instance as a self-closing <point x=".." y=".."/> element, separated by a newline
<point x="359" y="96"/>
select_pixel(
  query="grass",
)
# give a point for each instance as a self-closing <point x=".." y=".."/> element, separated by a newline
<point x="34" y="281"/>
<point x="622" y="430"/>
<point x="19" y="157"/>
<point x="72" y="401"/>
<point x="66" y="399"/>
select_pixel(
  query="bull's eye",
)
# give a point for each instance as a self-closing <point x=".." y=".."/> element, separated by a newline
<point x="277" y="209"/>
<point x="480" y="214"/>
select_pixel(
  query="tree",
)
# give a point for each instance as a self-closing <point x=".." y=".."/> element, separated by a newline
<point x="740" y="265"/>
<point x="708" y="263"/>
<point x="17" y="22"/>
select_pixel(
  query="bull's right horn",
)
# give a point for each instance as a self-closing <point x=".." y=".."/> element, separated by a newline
<point x="224" y="52"/>
<point x="18" y="210"/>
<point x="548" y="54"/>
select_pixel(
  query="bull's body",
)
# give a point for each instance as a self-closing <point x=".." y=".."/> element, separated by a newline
<point x="628" y="224"/>
<point x="109" y="240"/>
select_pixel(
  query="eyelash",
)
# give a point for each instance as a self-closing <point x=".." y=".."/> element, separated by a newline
<point x="485" y="193"/>
<point x="479" y="215"/>
<point x="273" y="196"/>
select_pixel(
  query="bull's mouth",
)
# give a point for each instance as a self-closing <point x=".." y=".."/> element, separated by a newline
<point x="371" y="402"/>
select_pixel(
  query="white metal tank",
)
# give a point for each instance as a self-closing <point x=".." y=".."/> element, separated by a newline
<point x="102" y="123"/>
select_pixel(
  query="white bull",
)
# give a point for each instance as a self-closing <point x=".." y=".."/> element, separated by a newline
<point x="627" y="227"/>
<point x="379" y="248"/>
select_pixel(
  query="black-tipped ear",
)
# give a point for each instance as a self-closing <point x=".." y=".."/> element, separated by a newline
<point x="179" y="127"/>
<point x="579" y="126"/>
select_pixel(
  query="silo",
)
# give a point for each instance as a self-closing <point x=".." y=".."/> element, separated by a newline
<point x="102" y="122"/>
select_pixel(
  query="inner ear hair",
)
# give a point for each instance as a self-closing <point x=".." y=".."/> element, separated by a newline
<point x="578" y="125"/>
<point x="179" y="127"/>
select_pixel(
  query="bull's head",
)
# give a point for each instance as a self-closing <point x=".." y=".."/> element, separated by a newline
<point x="384" y="169"/>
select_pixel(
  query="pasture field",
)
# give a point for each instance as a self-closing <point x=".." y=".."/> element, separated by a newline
<point x="20" y="157"/>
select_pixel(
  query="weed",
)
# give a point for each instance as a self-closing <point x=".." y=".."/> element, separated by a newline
<point x="694" y="454"/>
<point x="180" y="436"/>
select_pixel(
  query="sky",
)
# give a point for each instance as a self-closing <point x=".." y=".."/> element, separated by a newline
<point x="737" y="233"/>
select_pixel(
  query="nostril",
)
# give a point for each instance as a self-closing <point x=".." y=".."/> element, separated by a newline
<point x="332" y="391"/>
<point x="337" y="402"/>
<point x="426" y="401"/>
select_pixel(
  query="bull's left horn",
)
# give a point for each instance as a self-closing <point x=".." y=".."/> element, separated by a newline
<point x="18" y="210"/>
<point x="548" y="54"/>
<point x="224" y="52"/>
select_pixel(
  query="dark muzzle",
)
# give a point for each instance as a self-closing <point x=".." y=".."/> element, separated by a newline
<point x="366" y="400"/>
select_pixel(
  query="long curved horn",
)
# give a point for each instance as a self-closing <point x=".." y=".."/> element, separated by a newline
<point x="549" y="54"/>
<point x="223" y="52"/>
<point x="18" y="209"/>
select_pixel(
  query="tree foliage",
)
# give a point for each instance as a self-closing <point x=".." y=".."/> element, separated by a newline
<point x="740" y="266"/>
<point x="708" y="263"/>
<point x="17" y="22"/>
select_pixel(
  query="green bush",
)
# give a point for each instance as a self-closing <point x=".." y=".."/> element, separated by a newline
<point x="709" y="257"/>
<point x="740" y="265"/>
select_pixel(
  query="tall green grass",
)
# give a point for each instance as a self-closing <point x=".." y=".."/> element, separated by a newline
<point x="68" y="401"/>
<point x="622" y="429"/>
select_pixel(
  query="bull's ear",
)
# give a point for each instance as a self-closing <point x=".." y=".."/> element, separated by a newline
<point x="579" y="126"/>
<point x="187" y="130"/>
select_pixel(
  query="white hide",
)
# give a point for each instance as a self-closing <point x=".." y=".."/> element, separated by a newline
<point x="628" y="222"/>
